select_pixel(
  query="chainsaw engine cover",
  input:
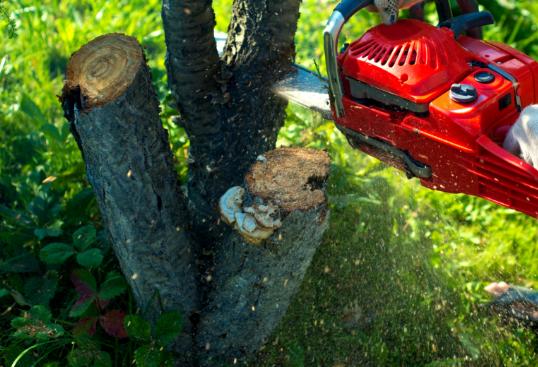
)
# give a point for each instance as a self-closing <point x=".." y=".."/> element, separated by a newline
<point x="439" y="108"/>
<point x="412" y="60"/>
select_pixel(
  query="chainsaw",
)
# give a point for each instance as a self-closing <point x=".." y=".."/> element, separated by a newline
<point x="429" y="100"/>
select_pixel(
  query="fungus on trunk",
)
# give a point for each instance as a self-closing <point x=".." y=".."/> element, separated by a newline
<point x="280" y="216"/>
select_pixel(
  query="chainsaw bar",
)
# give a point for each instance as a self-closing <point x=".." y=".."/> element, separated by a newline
<point x="303" y="87"/>
<point x="300" y="86"/>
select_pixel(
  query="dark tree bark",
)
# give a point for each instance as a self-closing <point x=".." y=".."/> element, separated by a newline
<point x="114" y="114"/>
<point x="241" y="115"/>
<point x="196" y="82"/>
<point x="284" y="194"/>
<point x="175" y="251"/>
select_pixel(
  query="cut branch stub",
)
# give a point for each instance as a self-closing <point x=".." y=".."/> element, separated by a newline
<point x="280" y="182"/>
<point x="104" y="68"/>
<point x="292" y="178"/>
<point x="114" y="115"/>
<point x="253" y="284"/>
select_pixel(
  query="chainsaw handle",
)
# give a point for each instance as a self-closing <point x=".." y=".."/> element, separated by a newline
<point x="444" y="11"/>
<point x="349" y="7"/>
<point x="339" y="17"/>
<point x="465" y="22"/>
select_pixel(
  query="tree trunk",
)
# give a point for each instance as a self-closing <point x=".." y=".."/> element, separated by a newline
<point x="114" y="114"/>
<point x="280" y="215"/>
<point x="241" y="116"/>
<point x="175" y="251"/>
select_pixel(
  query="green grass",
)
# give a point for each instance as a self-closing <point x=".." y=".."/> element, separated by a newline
<point x="399" y="278"/>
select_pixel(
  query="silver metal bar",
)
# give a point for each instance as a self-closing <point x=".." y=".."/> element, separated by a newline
<point x="413" y="167"/>
<point x="301" y="86"/>
<point x="330" y="39"/>
<point x="307" y="89"/>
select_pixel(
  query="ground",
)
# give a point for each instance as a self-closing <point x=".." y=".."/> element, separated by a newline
<point x="400" y="276"/>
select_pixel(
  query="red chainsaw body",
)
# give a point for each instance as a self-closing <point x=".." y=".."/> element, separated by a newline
<point x="397" y="82"/>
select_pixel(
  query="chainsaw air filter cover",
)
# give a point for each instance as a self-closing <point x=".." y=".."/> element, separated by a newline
<point x="412" y="60"/>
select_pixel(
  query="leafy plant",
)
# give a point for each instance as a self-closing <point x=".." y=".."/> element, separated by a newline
<point x="152" y="352"/>
<point x="36" y="324"/>
<point x="58" y="253"/>
<point x="92" y="303"/>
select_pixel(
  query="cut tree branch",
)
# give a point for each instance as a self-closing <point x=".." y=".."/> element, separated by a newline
<point x="114" y="115"/>
<point x="281" y="214"/>
<point x="194" y="77"/>
<point x="250" y="116"/>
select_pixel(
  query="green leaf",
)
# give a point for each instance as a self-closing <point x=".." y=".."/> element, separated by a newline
<point x="137" y="327"/>
<point x="147" y="356"/>
<point x="80" y="357"/>
<point x="52" y="132"/>
<point x="16" y="217"/>
<point x="4" y="292"/>
<point x="54" y="230"/>
<point x="56" y="253"/>
<point x="102" y="359"/>
<point x="90" y="258"/>
<point x="40" y="290"/>
<point x="40" y="313"/>
<point x="18" y="322"/>
<point x="168" y="327"/>
<point x="84" y="237"/>
<point x="113" y="286"/>
<point x="19" y="298"/>
<point x="23" y="263"/>
<point x="86" y="287"/>
<point x="84" y="281"/>
<point x="81" y="306"/>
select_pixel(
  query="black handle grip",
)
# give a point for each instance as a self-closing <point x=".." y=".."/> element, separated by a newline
<point x="463" y="23"/>
<point x="443" y="10"/>
<point x="349" y="7"/>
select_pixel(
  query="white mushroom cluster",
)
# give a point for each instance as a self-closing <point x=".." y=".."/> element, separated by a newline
<point x="255" y="223"/>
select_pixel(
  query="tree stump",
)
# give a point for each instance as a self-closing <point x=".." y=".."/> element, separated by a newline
<point x="114" y="115"/>
<point x="280" y="215"/>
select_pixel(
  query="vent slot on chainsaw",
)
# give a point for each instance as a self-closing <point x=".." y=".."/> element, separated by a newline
<point x="418" y="52"/>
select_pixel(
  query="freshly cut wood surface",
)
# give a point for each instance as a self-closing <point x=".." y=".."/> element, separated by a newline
<point x="279" y="219"/>
<point x="113" y="111"/>
<point x="292" y="178"/>
<point x="104" y="68"/>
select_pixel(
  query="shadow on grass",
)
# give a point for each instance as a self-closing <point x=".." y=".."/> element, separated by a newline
<point x="377" y="293"/>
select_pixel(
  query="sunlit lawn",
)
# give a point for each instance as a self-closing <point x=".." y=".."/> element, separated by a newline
<point x="399" y="279"/>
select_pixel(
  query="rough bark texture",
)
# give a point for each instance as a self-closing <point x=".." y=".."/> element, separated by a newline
<point x="260" y="48"/>
<point x="254" y="284"/>
<point x="241" y="115"/>
<point x="129" y="164"/>
<point x="194" y="77"/>
<point x="175" y="251"/>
